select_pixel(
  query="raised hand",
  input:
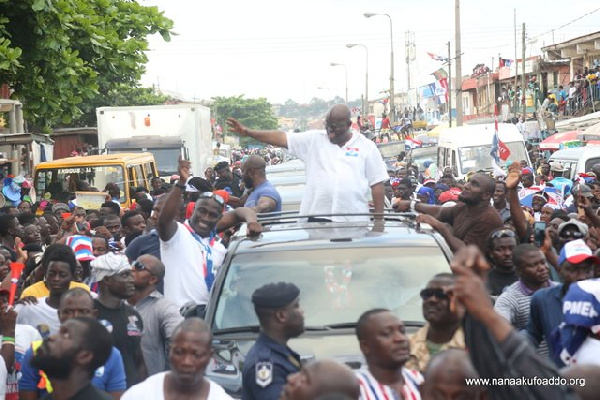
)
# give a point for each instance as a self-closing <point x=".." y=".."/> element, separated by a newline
<point x="184" y="170"/>
<point x="233" y="125"/>
<point x="514" y="176"/>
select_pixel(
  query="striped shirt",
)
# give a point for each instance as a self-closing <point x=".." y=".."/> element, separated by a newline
<point x="514" y="305"/>
<point x="370" y="389"/>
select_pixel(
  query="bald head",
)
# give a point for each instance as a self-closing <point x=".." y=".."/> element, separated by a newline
<point x="488" y="184"/>
<point x="255" y="162"/>
<point x="154" y="265"/>
<point x="340" y="112"/>
<point x="337" y="124"/>
<point x="585" y="379"/>
<point x="446" y="374"/>
<point x="193" y="324"/>
<point x="321" y="379"/>
<point x="76" y="292"/>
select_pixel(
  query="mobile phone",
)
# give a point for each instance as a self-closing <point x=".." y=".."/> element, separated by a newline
<point x="539" y="233"/>
<point x="80" y="226"/>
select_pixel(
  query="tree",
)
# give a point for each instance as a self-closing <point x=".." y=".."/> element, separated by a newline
<point x="254" y="113"/>
<point x="58" y="55"/>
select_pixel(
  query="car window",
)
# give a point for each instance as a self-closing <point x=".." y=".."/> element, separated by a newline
<point x="337" y="285"/>
<point x="591" y="162"/>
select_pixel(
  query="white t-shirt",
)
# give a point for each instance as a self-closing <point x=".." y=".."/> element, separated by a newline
<point x="41" y="316"/>
<point x="338" y="179"/>
<point x="184" y="260"/>
<point x="24" y="335"/>
<point x="153" y="388"/>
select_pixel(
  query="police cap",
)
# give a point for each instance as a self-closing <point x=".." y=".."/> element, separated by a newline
<point x="275" y="295"/>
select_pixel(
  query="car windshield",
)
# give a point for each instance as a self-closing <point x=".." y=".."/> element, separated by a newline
<point x="62" y="183"/>
<point x="391" y="150"/>
<point x="478" y="157"/>
<point x="336" y="285"/>
<point x="419" y="156"/>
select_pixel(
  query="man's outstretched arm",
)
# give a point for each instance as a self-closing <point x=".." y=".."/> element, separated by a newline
<point x="275" y="138"/>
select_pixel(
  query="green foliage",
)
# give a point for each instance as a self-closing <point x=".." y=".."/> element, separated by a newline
<point x="58" y="55"/>
<point x="316" y="108"/>
<point x="253" y="113"/>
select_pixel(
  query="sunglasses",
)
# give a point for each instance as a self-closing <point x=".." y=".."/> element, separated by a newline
<point x="211" y="195"/>
<point x="139" y="266"/>
<point x="572" y="235"/>
<point x="502" y="233"/>
<point x="437" y="293"/>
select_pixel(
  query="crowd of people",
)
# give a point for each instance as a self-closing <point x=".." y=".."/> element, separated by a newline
<point x="109" y="303"/>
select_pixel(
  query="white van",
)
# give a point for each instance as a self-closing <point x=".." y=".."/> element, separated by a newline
<point x="577" y="159"/>
<point x="467" y="148"/>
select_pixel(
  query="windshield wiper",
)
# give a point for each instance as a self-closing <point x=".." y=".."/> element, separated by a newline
<point x="238" y="329"/>
<point x="321" y="328"/>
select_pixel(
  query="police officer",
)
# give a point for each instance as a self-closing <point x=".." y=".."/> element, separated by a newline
<point x="270" y="360"/>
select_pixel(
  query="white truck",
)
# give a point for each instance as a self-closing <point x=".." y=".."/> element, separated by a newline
<point x="166" y="131"/>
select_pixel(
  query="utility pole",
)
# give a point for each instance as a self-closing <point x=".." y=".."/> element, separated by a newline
<point x="458" y="51"/>
<point x="410" y="54"/>
<point x="523" y="72"/>
<point x="449" y="88"/>
<point x="392" y="93"/>
<point x="515" y="100"/>
<point x="489" y="78"/>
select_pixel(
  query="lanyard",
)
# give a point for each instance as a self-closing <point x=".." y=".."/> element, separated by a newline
<point x="207" y="265"/>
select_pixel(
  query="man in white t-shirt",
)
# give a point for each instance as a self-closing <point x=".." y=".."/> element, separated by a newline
<point x="192" y="252"/>
<point x="18" y="336"/>
<point x="191" y="339"/>
<point x="341" y="165"/>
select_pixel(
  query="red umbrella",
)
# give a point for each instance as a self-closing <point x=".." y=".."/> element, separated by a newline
<point x="563" y="140"/>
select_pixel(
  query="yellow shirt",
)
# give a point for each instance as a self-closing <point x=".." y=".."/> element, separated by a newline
<point x="39" y="289"/>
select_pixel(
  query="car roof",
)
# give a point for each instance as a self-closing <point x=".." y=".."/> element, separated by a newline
<point x="400" y="231"/>
<point x="96" y="160"/>
<point x="574" y="153"/>
<point x="478" y="134"/>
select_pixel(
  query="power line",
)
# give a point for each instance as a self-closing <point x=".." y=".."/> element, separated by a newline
<point x="567" y="24"/>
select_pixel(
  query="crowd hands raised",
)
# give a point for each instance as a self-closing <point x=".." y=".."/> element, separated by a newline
<point x="110" y="302"/>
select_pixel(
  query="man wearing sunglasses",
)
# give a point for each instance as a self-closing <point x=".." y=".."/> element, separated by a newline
<point x="341" y="165"/>
<point x="192" y="251"/>
<point x="572" y="230"/>
<point x="442" y="330"/>
<point x="160" y="316"/>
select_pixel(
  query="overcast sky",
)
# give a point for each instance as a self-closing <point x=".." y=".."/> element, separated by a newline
<point x="283" y="49"/>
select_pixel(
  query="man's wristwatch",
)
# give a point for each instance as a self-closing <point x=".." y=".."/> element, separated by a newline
<point x="180" y="185"/>
<point x="413" y="203"/>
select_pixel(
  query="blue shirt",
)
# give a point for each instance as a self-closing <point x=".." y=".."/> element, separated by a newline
<point x="145" y="244"/>
<point x="266" y="369"/>
<point x="545" y="315"/>
<point x="110" y="377"/>
<point x="265" y="189"/>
